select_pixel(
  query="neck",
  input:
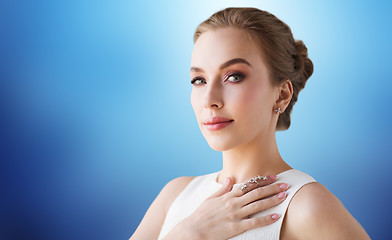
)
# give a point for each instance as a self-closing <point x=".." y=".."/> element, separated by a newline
<point x="258" y="157"/>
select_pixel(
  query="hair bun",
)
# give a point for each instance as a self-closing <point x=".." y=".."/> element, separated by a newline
<point x="303" y="64"/>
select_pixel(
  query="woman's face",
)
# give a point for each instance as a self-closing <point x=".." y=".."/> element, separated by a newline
<point x="230" y="80"/>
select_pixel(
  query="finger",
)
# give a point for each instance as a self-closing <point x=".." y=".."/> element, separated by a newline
<point x="266" y="181"/>
<point x="237" y="192"/>
<point x="260" y="181"/>
<point x="263" y="204"/>
<point x="255" y="222"/>
<point x="262" y="192"/>
<point x="226" y="187"/>
<point x="249" y="186"/>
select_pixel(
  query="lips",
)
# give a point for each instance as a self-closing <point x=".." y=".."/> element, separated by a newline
<point x="216" y="123"/>
<point x="215" y="120"/>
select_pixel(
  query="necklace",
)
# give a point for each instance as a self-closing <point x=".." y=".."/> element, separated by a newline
<point x="243" y="185"/>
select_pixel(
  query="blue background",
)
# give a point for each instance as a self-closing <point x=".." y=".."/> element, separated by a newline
<point x="96" y="115"/>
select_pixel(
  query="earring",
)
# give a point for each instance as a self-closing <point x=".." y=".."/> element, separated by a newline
<point x="278" y="111"/>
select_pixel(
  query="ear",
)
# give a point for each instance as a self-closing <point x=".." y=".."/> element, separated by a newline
<point x="285" y="94"/>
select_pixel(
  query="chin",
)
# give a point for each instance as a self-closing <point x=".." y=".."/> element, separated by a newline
<point x="220" y="141"/>
<point x="220" y="145"/>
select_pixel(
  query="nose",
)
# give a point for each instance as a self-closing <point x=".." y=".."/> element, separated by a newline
<point x="213" y="97"/>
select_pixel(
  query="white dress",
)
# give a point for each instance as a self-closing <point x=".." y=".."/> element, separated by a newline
<point x="203" y="186"/>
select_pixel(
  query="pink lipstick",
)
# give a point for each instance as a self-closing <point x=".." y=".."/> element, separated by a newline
<point x="216" y="123"/>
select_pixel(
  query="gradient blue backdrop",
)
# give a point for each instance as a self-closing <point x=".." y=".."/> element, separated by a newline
<point x="96" y="115"/>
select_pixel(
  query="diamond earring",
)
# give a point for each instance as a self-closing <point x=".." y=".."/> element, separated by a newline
<point x="278" y="111"/>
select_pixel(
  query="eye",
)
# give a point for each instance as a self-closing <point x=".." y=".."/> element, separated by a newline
<point x="236" y="77"/>
<point x="197" y="81"/>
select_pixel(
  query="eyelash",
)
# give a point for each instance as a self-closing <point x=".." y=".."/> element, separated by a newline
<point x="240" y="75"/>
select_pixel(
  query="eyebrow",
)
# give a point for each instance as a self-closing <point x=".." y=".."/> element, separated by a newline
<point x="225" y="65"/>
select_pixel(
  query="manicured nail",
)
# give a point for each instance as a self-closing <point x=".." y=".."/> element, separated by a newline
<point x="274" y="216"/>
<point x="273" y="177"/>
<point x="227" y="180"/>
<point x="281" y="195"/>
<point x="283" y="186"/>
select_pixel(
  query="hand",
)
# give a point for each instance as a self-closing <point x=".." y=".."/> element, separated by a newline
<point x="226" y="212"/>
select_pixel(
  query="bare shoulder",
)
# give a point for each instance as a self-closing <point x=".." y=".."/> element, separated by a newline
<point x="151" y="224"/>
<point x="315" y="213"/>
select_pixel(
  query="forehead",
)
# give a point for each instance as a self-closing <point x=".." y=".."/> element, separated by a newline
<point x="217" y="46"/>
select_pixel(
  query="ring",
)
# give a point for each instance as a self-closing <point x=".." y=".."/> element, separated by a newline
<point x="243" y="186"/>
<point x="254" y="180"/>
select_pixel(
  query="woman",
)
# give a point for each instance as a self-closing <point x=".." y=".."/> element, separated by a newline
<point x="247" y="71"/>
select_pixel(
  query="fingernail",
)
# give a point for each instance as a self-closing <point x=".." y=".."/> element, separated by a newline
<point x="273" y="177"/>
<point x="274" y="216"/>
<point x="227" y="180"/>
<point x="281" y="195"/>
<point x="283" y="186"/>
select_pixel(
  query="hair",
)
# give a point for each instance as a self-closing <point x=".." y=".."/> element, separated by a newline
<point x="285" y="57"/>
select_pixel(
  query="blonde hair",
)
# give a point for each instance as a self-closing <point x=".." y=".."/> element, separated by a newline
<point x="285" y="57"/>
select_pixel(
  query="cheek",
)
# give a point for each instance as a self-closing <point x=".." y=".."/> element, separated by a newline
<point x="251" y="104"/>
<point x="195" y="102"/>
<point x="247" y="98"/>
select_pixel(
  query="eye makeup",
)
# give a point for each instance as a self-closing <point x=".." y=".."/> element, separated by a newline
<point x="231" y="76"/>
<point x="237" y="76"/>
<point x="196" y="79"/>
